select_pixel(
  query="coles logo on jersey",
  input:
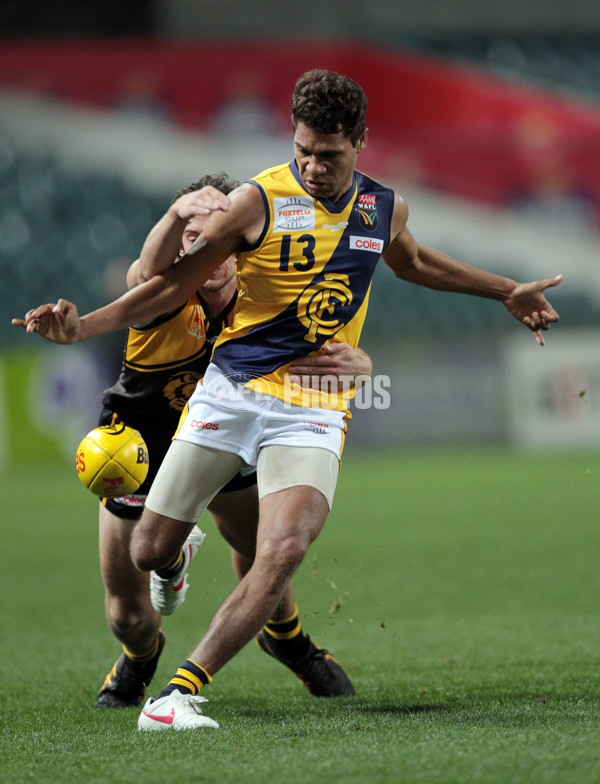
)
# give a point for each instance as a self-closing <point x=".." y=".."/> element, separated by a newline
<point x="367" y="210"/>
<point x="293" y="213"/>
<point x="366" y="243"/>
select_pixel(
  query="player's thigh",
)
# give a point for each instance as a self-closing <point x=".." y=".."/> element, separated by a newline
<point x="282" y="467"/>
<point x="295" y="487"/>
<point x="236" y="517"/>
<point x="120" y="576"/>
<point x="188" y="479"/>
<point x="289" y="521"/>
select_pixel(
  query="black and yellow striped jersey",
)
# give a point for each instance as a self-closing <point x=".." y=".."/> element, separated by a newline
<point x="161" y="367"/>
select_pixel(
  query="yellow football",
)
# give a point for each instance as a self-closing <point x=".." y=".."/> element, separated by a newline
<point x="112" y="461"/>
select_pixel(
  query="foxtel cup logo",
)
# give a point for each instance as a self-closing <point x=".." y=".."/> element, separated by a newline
<point x="197" y="326"/>
<point x="293" y="213"/>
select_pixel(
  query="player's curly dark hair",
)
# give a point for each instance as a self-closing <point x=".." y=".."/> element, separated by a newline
<point x="329" y="102"/>
<point x="221" y="181"/>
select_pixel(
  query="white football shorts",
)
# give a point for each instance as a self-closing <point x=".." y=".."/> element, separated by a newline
<point x="225" y="415"/>
<point x="234" y="425"/>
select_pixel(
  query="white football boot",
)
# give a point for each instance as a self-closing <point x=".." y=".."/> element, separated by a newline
<point x="167" y="595"/>
<point x="176" y="711"/>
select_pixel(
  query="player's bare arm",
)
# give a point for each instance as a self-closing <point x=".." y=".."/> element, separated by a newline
<point x="135" y="278"/>
<point x="60" y="323"/>
<point x="425" y="266"/>
<point x="242" y="225"/>
<point x="225" y="234"/>
<point x="134" y="275"/>
<point x="164" y="240"/>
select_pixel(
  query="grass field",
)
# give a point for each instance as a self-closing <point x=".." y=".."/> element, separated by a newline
<point x="460" y="590"/>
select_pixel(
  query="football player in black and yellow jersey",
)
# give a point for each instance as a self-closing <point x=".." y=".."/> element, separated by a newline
<point x="162" y="364"/>
<point x="307" y="236"/>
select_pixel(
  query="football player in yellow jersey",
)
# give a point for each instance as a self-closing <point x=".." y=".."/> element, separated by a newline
<point x="162" y="364"/>
<point x="298" y="288"/>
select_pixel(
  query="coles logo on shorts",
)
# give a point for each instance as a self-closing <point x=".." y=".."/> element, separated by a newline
<point x="200" y="425"/>
<point x="366" y="243"/>
<point x="131" y="500"/>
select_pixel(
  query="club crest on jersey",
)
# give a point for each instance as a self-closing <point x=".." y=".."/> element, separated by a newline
<point x="318" y="302"/>
<point x="367" y="210"/>
<point x="293" y="213"/>
<point x="179" y="389"/>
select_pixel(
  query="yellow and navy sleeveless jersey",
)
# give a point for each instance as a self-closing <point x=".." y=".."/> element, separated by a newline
<point x="305" y="282"/>
<point x="162" y="364"/>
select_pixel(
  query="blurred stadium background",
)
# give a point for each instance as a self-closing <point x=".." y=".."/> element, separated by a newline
<point x="485" y="116"/>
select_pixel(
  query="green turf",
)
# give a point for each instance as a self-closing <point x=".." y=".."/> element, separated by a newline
<point x="459" y="589"/>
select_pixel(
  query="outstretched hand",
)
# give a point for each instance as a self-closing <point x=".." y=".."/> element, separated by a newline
<point x="59" y="323"/>
<point x="528" y="305"/>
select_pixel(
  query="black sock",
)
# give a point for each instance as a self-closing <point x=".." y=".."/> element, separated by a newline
<point x="171" y="569"/>
<point x="286" y="638"/>
<point x="143" y="658"/>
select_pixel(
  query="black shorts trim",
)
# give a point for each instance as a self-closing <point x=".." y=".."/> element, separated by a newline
<point x="123" y="511"/>
<point x="126" y="512"/>
<point x="239" y="482"/>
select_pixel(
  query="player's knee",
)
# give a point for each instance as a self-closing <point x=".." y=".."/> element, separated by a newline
<point x="125" y="617"/>
<point x="145" y="553"/>
<point x="282" y="555"/>
<point x="149" y="554"/>
<point x="156" y="541"/>
<point x="145" y="557"/>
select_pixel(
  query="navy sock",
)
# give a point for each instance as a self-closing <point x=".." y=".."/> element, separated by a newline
<point x="188" y="679"/>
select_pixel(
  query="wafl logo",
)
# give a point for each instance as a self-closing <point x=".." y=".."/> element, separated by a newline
<point x="318" y="302"/>
<point x="293" y="213"/>
<point x="367" y="210"/>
